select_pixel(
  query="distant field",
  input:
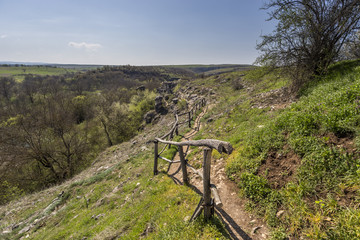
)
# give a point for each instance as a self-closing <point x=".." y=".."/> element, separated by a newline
<point x="213" y="68"/>
<point x="19" y="72"/>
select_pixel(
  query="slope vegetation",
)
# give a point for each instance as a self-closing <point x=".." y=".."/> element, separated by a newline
<point x="295" y="162"/>
<point x="118" y="197"/>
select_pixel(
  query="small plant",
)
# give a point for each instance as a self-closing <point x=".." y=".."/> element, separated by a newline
<point x="254" y="187"/>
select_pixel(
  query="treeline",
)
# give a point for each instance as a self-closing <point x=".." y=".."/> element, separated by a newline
<point x="52" y="127"/>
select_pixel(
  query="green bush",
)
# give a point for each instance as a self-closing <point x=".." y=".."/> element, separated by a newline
<point x="9" y="192"/>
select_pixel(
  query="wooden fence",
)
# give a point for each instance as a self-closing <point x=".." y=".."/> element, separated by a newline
<point x="206" y="203"/>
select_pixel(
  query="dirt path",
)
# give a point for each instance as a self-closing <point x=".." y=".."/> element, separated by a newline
<point x="239" y="223"/>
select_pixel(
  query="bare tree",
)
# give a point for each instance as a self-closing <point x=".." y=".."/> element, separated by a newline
<point x="47" y="133"/>
<point x="309" y="35"/>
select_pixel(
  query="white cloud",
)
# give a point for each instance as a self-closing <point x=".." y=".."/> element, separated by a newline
<point x="86" y="46"/>
<point x="2" y="36"/>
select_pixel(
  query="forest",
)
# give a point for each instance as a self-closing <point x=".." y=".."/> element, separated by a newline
<point x="52" y="127"/>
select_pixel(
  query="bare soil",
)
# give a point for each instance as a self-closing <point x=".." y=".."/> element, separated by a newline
<point x="280" y="168"/>
<point x="239" y="223"/>
<point x="346" y="143"/>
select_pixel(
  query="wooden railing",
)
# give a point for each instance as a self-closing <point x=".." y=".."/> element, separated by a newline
<point x="206" y="203"/>
<point x="175" y="127"/>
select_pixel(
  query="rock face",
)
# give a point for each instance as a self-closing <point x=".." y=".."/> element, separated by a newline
<point x="167" y="87"/>
<point x="159" y="107"/>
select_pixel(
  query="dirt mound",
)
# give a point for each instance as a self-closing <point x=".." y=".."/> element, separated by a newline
<point x="280" y="168"/>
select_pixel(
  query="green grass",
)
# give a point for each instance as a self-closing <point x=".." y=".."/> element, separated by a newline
<point x="125" y="201"/>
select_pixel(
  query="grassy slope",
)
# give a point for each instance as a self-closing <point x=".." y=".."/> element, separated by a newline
<point x="312" y="145"/>
<point x="318" y="200"/>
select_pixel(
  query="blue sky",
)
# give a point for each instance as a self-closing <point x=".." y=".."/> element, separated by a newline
<point x="136" y="32"/>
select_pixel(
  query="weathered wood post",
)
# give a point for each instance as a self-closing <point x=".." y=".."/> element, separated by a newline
<point x="171" y="137"/>
<point x="156" y="156"/>
<point x="189" y="117"/>
<point x="183" y="166"/>
<point x="176" y="127"/>
<point x="206" y="180"/>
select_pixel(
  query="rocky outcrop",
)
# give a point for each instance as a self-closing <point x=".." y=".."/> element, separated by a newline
<point x="167" y="87"/>
<point x="159" y="105"/>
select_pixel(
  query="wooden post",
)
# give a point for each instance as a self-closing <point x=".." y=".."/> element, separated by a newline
<point x="189" y="117"/>
<point x="176" y="128"/>
<point x="206" y="180"/>
<point x="183" y="166"/>
<point x="171" y="137"/>
<point x="156" y="157"/>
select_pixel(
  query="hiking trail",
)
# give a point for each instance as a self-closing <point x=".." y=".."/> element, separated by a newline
<point x="239" y="223"/>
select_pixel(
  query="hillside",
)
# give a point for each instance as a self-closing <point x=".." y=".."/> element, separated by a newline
<point x="295" y="166"/>
<point x="53" y="126"/>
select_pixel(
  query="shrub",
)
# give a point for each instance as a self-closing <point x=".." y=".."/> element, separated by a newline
<point x="9" y="192"/>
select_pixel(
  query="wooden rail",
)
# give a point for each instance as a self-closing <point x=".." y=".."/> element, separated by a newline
<point x="206" y="203"/>
<point x="220" y="146"/>
<point x="175" y="128"/>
